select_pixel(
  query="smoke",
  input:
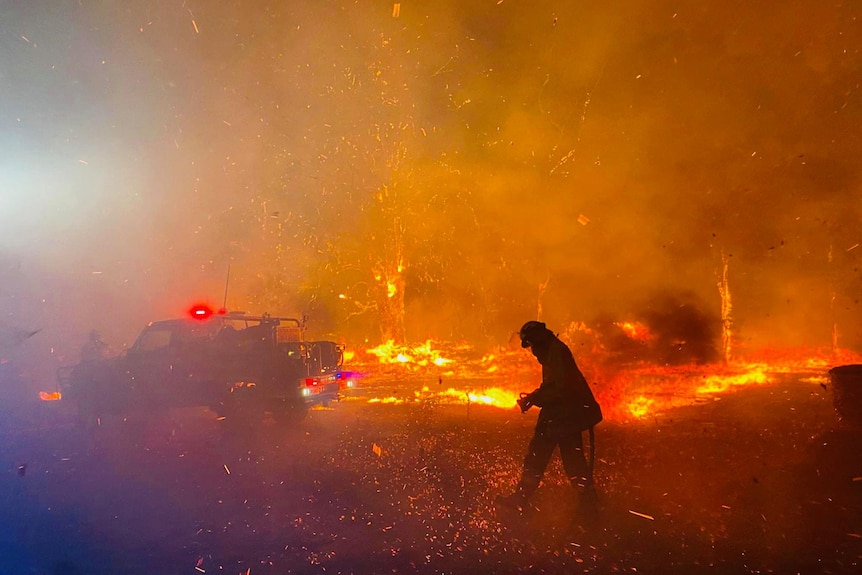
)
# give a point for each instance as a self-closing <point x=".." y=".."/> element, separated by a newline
<point x="511" y="159"/>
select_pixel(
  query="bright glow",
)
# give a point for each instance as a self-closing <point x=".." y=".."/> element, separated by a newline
<point x="495" y="397"/>
<point x="386" y="400"/>
<point x="719" y="383"/>
<point x="635" y="330"/>
<point x="50" y="396"/>
<point x="636" y="393"/>
<point x="200" y="311"/>
<point x="416" y="356"/>
<point x="640" y="406"/>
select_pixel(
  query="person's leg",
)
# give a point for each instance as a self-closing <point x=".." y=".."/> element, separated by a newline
<point x="539" y="453"/>
<point x="579" y="474"/>
<point x="538" y="456"/>
<point x="574" y="462"/>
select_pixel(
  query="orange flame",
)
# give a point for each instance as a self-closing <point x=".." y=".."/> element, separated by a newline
<point x="421" y="355"/>
<point x="720" y="383"/>
<point x="640" y="406"/>
<point x="494" y="397"/>
<point x="635" y="330"/>
<point x="50" y="396"/>
<point x="632" y="392"/>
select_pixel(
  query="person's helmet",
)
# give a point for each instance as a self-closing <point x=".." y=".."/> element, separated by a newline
<point x="531" y="331"/>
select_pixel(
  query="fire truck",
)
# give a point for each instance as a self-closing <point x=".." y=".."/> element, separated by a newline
<point x="243" y="367"/>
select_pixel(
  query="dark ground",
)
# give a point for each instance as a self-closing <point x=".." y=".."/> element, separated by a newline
<point x="764" y="480"/>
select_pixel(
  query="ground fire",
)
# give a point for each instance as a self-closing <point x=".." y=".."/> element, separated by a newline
<point x="636" y="391"/>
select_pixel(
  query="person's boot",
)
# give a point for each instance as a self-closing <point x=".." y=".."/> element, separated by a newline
<point x="518" y="500"/>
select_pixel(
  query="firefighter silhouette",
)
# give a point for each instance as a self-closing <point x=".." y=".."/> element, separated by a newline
<point x="568" y="408"/>
<point x="94" y="349"/>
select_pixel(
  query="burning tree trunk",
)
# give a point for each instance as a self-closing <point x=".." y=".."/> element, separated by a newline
<point x="832" y="297"/>
<point x="391" y="307"/>
<point x="726" y="308"/>
<point x="389" y="286"/>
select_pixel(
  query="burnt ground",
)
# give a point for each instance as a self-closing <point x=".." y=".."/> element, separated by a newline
<point x="764" y="480"/>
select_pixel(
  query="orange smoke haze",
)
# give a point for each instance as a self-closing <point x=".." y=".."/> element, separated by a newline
<point x="444" y="173"/>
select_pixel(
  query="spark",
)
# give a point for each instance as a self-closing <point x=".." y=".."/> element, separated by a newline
<point x="192" y="16"/>
<point x="644" y="515"/>
<point x="571" y="153"/>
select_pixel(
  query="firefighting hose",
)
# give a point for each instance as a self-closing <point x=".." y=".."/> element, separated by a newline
<point x="591" y="462"/>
